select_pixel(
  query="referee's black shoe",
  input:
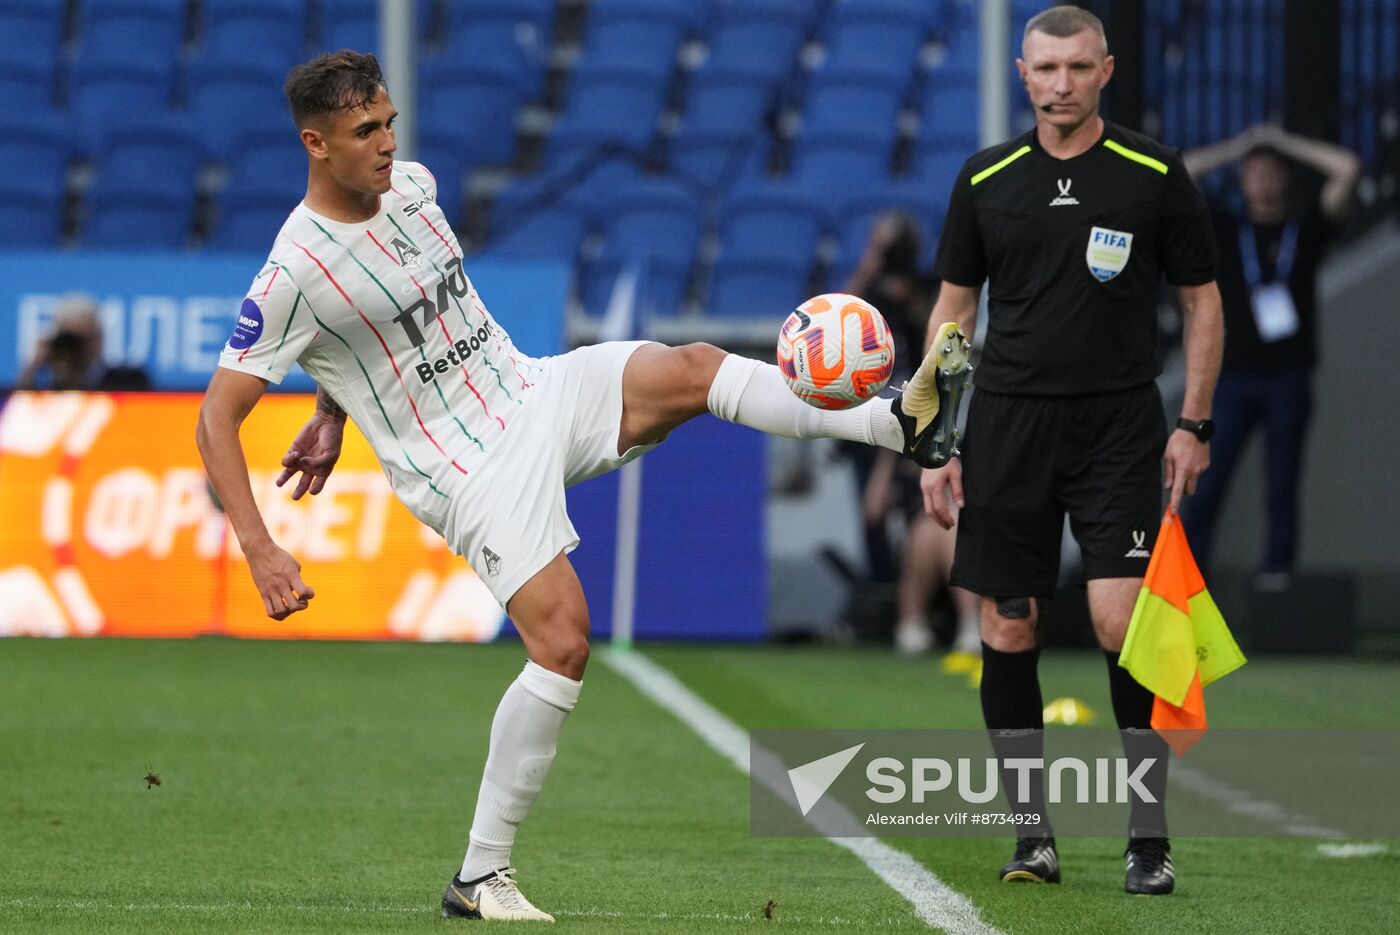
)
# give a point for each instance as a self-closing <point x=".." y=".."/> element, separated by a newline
<point x="927" y="410"/>
<point x="1035" y="861"/>
<point x="1150" y="870"/>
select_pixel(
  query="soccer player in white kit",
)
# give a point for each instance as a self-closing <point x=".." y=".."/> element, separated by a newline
<point x="364" y="287"/>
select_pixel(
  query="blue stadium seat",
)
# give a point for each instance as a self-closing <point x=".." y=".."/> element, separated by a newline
<point x="538" y="14"/>
<point x="937" y="168"/>
<point x="610" y="107"/>
<point x="775" y="222"/>
<point x="642" y="42"/>
<point x="686" y="12"/>
<point x="138" y="220"/>
<point x="146" y="156"/>
<point x="449" y="156"/>
<point x="250" y="217"/>
<point x="38" y="144"/>
<point x="930" y="14"/>
<point x="852" y="103"/>
<point x="265" y="31"/>
<point x="551" y="233"/>
<point x="29" y="86"/>
<point x="763" y="47"/>
<point x="960" y="56"/>
<point x="31" y="215"/>
<point x="100" y="94"/>
<point x="118" y="31"/>
<point x="31" y="32"/>
<point x="719" y="102"/>
<point x="350" y="24"/>
<point x="856" y="217"/>
<point x="879" y="45"/>
<point x="711" y="159"/>
<point x="509" y="36"/>
<point x="950" y="115"/>
<point x="833" y="161"/>
<point x="354" y="24"/>
<point x="661" y="286"/>
<point x="229" y="98"/>
<point x="657" y="219"/>
<point x="273" y="157"/>
<point x="742" y="288"/>
<point x="478" y="106"/>
<point x="657" y="224"/>
<point x="797" y="11"/>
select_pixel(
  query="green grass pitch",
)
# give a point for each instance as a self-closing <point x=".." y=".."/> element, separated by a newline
<point x="329" y="787"/>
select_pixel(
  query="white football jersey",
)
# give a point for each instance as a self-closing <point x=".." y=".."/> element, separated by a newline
<point x="383" y="317"/>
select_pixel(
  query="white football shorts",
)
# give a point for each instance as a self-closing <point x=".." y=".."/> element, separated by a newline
<point x="509" y="519"/>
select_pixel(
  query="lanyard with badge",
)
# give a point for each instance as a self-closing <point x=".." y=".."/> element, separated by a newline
<point x="1275" y="314"/>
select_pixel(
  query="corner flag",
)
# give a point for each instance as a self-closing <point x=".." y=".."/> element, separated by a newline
<point x="1177" y="642"/>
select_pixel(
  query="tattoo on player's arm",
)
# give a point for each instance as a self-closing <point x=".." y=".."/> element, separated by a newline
<point x="328" y="406"/>
<point x="1014" y="608"/>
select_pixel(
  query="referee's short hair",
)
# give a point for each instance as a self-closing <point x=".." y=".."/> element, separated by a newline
<point x="332" y="83"/>
<point x="1065" y="21"/>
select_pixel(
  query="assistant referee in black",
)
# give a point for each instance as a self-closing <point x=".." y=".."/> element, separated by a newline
<point x="1073" y="225"/>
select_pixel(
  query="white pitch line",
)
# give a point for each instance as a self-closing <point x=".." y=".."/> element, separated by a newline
<point x="934" y="901"/>
<point x="1352" y="850"/>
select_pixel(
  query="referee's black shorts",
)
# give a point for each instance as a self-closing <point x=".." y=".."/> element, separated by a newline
<point x="1027" y="461"/>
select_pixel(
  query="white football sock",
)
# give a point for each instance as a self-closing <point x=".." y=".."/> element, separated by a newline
<point x="523" y="737"/>
<point x="751" y="393"/>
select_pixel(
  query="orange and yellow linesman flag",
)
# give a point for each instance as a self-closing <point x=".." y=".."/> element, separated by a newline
<point x="1177" y="642"/>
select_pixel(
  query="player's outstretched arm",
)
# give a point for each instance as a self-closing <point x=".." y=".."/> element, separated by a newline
<point x="939" y="485"/>
<point x="316" y="448"/>
<point x="277" y="575"/>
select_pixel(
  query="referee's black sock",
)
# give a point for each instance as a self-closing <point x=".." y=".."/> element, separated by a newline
<point x="1015" y="718"/>
<point x="1132" y="706"/>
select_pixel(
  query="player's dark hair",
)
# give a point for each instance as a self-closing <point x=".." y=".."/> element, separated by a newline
<point x="1065" y="21"/>
<point x="332" y="83"/>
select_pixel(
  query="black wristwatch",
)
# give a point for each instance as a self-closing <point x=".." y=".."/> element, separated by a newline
<point x="1203" y="429"/>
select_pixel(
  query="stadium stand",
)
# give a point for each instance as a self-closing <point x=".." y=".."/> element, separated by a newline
<point x="32" y="202"/>
<point x="855" y="34"/>
<point x="753" y="43"/>
<point x="31" y="216"/>
<point x="229" y="98"/>
<point x="29" y="86"/>
<point x="148" y="31"/>
<point x="641" y="38"/>
<point x="119" y="217"/>
<point x="656" y="224"/>
<point x="268" y="32"/>
<point x="511" y="37"/>
<point x="102" y="95"/>
<point x="556" y="120"/>
<point x="31" y="32"/>
<point x="40" y="143"/>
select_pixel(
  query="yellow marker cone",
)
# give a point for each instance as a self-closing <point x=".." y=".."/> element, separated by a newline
<point x="1068" y="711"/>
<point x="974" y="676"/>
<point x="959" y="663"/>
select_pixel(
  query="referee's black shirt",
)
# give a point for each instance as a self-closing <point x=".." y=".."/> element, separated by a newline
<point x="1074" y="251"/>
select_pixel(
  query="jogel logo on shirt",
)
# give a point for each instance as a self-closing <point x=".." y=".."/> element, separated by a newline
<point x="1107" y="252"/>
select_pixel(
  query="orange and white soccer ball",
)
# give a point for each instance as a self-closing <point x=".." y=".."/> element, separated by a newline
<point x="835" y="351"/>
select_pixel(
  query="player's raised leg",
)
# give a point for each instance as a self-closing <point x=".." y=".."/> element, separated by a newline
<point x="663" y="387"/>
<point x="550" y="612"/>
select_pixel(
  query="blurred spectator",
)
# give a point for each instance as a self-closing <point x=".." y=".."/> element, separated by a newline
<point x="888" y="277"/>
<point x="70" y="356"/>
<point x="1269" y="258"/>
